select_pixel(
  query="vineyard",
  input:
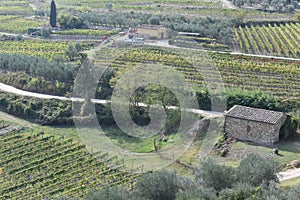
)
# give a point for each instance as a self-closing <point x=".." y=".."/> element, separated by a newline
<point x="202" y="8"/>
<point x="36" y="165"/>
<point x="89" y="32"/>
<point x="278" y="78"/>
<point x="9" y="7"/>
<point x="46" y="49"/>
<point x="276" y="40"/>
<point x="17" y="24"/>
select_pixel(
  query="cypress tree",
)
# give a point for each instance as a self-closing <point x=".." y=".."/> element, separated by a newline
<point x="53" y="14"/>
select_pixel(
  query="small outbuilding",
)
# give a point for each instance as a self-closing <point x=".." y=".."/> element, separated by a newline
<point x="153" y="31"/>
<point x="252" y="124"/>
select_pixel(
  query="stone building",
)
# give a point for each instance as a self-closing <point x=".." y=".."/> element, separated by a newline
<point x="152" y="31"/>
<point x="254" y="125"/>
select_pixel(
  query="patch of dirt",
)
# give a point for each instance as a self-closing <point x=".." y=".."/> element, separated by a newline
<point x="225" y="147"/>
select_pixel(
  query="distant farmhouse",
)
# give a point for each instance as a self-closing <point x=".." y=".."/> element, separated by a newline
<point x="153" y="31"/>
<point x="254" y="125"/>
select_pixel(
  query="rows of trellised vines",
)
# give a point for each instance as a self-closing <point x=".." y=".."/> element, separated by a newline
<point x="36" y="165"/>
<point x="49" y="50"/>
<point x="272" y="76"/>
<point x="15" y="7"/>
<point x="86" y="32"/>
<point x="277" y="40"/>
<point x="4" y="18"/>
<point x="15" y="24"/>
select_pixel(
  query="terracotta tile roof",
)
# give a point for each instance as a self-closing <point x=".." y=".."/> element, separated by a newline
<point x="254" y="114"/>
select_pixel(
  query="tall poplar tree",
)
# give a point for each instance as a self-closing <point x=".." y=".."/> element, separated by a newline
<point x="53" y="14"/>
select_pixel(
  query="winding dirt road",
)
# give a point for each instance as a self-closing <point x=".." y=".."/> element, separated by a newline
<point x="10" y="89"/>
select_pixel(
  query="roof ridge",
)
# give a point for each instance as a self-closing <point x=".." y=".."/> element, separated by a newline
<point x="254" y="114"/>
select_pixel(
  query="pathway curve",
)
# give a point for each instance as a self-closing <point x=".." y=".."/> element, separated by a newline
<point x="289" y="174"/>
<point x="11" y="89"/>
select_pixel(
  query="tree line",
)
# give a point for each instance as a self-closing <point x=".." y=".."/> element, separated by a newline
<point x="219" y="29"/>
<point x="37" y="66"/>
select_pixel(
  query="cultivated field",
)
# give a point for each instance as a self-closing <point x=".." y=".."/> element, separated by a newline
<point x="276" y="77"/>
<point x="36" y="165"/>
<point x="272" y="39"/>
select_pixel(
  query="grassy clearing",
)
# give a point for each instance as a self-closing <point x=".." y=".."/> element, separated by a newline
<point x="68" y="132"/>
<point x="288" y="148"/>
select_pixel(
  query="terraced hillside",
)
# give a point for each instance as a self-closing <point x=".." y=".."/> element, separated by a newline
<point x="35" y="165"/>
<point x="276" y="77"/>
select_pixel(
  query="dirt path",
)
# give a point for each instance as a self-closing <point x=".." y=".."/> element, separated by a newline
<point x="289" y="174"/>
<point x="91" y="53"/>
<point x="10" y="89"/>
<point x="166" y="45"/>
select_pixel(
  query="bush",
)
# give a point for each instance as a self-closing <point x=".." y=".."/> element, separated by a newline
<point x="158" y="185"/>
<point x="256" y="170"/>
<point x="216" y="176"/>
<point x="256" y="99"/>
<point x="109" y="193"/>
<point x="197" y="193"/>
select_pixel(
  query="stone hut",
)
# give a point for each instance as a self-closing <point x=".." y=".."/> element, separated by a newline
<point x="252" y="124"/>
<point x="153" y="31"/>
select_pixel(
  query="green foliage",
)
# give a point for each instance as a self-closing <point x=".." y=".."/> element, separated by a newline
<point x="291" y="126"/>
<point x="45" y="32"/>
<point x="109" y="6"/>
<point x="197" y="192"/>
<point x="69" y="21"/>
<point x="256" y="170"/>
<point x="253" y="170"/>
<point x="216" y="176"/>
<point x="240" y="191"/>
<point x="256" y="99"/>
<point x="222" y="138"/>
<point x="72" y="51"/>
<point x="109" y="193"/>
<point x="50" y="112"/>
<point x="158" y="185"/>
<point x="37" y="66"/>
<point x="154" y="20"/>
<point x="53" y="14"/>
<point x="39" y="84"/>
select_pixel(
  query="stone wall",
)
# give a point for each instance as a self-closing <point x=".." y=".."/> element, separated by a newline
<point x="258" y="132"/>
